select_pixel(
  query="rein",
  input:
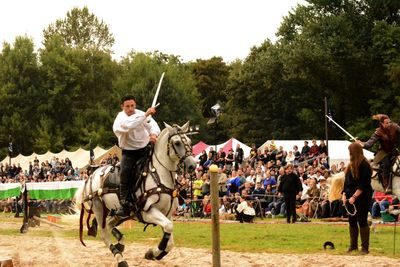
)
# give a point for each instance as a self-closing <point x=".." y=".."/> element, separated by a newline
<point x="161" y="188"/>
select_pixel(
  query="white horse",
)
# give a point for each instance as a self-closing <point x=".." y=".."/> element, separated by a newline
<point x="377" y="186"/>
<point x="156" y="194"/>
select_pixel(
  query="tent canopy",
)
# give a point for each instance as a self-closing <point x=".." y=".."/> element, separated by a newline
<point x="79" y="158"/>
<point x="230" y="144"/>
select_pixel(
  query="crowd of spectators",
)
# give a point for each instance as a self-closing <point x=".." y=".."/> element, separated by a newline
<point x="254" y="180"/>
<point x="52" y="170"/>
<point x="247" y="186"/>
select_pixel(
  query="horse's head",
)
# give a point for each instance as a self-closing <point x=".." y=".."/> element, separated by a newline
<point x="180" y="146"/>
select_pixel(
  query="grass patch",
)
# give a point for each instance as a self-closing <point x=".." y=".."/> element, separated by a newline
<point x="273" y="236"/>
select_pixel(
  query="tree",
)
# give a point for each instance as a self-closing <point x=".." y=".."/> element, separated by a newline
<point x="82" y="80"/>
<point x="179" y="98"/>
<point x="81" y="29"/>
<point x="20" y="93"/>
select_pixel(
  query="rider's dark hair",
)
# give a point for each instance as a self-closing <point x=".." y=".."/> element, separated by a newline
<point x="380" y="117"/>
<point x="127" y="97"/>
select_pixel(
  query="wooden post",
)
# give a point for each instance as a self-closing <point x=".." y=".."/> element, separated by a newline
<point x="24" y="227"/>
<point x="215" y="216"/>
<point x="6" y="262"/>
<point x="326" y="131"/>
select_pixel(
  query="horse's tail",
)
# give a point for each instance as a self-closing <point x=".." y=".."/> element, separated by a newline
<point x="81" y="225"/>
<point x="79" y="205"/>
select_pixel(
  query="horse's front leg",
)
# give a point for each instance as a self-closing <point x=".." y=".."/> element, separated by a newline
<point x="110" y="222"/>
<point x="167" y="242"/>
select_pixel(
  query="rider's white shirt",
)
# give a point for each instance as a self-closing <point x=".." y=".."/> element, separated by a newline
<point x="133" y="131"/>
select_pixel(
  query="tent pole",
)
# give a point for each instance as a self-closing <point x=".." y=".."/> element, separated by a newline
<point x="326" y="130"/>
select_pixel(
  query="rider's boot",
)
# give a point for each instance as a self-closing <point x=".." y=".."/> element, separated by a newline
<point x="388" y="188"/>
<point x="124" y="210"/>
<point x="387" y="185"/>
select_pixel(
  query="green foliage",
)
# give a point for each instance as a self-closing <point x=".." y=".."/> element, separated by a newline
<point x="81" y="29"/>
<point x="178" y="96"/>
<point x="68" y="92"/>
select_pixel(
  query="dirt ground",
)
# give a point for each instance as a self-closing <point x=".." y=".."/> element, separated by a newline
<point x="57" y="251"/>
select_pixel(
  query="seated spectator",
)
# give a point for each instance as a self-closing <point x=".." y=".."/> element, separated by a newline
<point x="222" y="181"/>
<point x="244" y="211"/>
<point x="324" y="201"/>
<point x="269" y="180"/>
<point x="381" y="203"/>
<point x="206" y="207"/>
<point x="225" y="206"/>
<point x="259" y="195"/>
<point x="313" y="194"/>
<point x="394" y="208"/>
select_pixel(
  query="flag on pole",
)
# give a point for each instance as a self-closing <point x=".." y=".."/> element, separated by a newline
<point x="10" y="146"/>
<point x="91" y="152"/>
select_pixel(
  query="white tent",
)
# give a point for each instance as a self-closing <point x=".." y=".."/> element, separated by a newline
<point x="79" y="158"/>
<point x="337" y="149"/>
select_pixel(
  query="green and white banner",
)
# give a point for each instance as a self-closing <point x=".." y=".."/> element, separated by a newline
<point x="10" y="190"/>
<point x="53" y="190"/>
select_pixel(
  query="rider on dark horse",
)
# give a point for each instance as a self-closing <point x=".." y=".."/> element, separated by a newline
<point x="388" y="135"/>
<point x="135" y="132"/>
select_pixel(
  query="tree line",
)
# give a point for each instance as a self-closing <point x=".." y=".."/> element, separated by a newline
<point x="67" y="94"/>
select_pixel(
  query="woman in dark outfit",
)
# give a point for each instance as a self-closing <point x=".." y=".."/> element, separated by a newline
<point x="290" y="185"/>
<point x="358" y="191"/>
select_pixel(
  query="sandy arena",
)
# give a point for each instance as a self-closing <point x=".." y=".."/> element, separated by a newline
<point x="57" y="251"/>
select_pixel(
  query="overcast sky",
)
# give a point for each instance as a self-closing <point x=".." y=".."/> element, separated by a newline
<point x="188" y="28"/>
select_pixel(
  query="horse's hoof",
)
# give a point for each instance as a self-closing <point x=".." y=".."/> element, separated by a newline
<point x="149" y="255"/>
<point x="120" y="247"/>
<point x="123" y="264"/>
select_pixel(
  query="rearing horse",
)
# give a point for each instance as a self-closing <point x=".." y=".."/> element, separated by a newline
<point x="156" y="194"/>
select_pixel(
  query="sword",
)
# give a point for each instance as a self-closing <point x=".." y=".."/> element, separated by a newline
<point x="154" y="103"/>
<point x="341" y="128"/>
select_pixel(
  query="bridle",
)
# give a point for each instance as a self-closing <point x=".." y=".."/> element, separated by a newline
<point x="186" y="145"/>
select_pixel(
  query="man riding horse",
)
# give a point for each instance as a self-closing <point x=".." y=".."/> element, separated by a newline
<point x="388" y="135"/>
<point x="135" y="132"/>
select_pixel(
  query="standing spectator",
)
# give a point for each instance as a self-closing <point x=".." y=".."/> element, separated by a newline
<point x="198" y="185"/>
<point x="239" y="154"/>
<point x="205" y="188"/>
<point x="358" y="192"/>
<point x="304" y="151"/>
<point x="203" y="158"/>
<point x="221" y="158"/>
<point x="322" y="148"/>
<point x="291" y="188"/>
<point x="296" y="154"/>
<point x="229" y="159"/>
<point x="314" y="150"/>
<point x="253" y="156"/>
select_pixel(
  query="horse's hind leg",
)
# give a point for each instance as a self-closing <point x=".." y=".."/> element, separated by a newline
<point x="167" y="242"/>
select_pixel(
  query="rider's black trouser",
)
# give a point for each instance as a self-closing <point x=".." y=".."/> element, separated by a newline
<point x="128" y="171"/>
<point x="385" y="165"/>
